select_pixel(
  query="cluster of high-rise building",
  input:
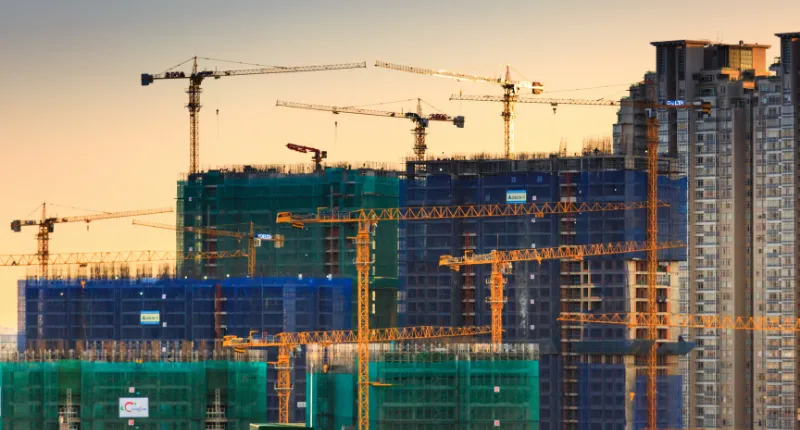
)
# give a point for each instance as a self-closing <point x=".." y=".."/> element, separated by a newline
<point x="731" y="179"/>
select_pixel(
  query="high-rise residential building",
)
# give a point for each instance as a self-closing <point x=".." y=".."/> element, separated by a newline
<point x="586" y="372"/>
<point x="742" y="234"/>
<point x="774" y="236"/>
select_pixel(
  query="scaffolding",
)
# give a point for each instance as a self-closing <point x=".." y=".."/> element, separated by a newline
<point x="230" y="198"/>
<point x="537" y="293"/>
<point x="447" y="386"/>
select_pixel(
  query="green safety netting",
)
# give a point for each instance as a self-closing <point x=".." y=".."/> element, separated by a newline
<point x="430" y="390"/>
<point x="35" y="395"/>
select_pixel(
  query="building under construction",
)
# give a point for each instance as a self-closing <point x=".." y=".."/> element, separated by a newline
<point x="181" y="315"/>
<point x="428" y="387"/>
<point x="232" y="198"/>
<point x="583" y="373"/>
<point x="49" y="391"/>
<point x="578" y="362"/>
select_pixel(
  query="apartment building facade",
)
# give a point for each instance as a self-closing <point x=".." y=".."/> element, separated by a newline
<point x="775" y="244"/>
<point x="742" y="234"/>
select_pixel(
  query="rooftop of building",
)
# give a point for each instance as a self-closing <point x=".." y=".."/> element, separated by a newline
<point x="704" y="42"/>
<point x="789" y="35"/>
<point x="741" y="44"/>
<point x="303" y="169"/>
<point x="488" y="164"/>
<point x="683" y="42"/>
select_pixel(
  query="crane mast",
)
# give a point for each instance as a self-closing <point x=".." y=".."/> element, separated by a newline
<point x="196" y="78"/>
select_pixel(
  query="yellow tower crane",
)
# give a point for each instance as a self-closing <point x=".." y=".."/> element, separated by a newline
<point x="651" y="107"/>
<point x="253" y="239"/>
<point x="196" y="78"/>
<point x="510" y="87"/>
<point x="367" y="219"/>
<point x="285" y="342"/>
<point x="46" y="224"/>
<point x="501" y="263"/>
<point x="421" y="121"/>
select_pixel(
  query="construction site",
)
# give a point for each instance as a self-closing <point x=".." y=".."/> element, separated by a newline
<point x="525" y="291"/>
<point x="327" y="296"/>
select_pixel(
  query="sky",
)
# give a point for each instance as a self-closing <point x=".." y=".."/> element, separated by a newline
<point x="78" y="130"/>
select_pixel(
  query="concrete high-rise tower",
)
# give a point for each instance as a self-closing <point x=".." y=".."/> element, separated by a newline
<point x="775" y="237"/>
<point x="741" y="164"/>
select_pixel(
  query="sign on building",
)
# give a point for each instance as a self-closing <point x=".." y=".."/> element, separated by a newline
<point x="150" y="318"/>
<point x="134" y="407"/>
<point x="516" y="196"/>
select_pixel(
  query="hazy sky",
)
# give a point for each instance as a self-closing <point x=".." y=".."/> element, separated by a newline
<point x="78" y="129"/>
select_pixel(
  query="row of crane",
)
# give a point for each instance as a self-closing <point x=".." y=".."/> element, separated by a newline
<point x="196" y="77"/>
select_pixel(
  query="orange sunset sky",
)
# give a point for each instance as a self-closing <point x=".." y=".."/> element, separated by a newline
<point x="77" y="128"/>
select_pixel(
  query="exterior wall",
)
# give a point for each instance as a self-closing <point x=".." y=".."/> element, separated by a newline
<point x="774" y="236"/>
<point x="60" y="314"/>
<point x="629" y="133"/>
<point x="722" y="370"/>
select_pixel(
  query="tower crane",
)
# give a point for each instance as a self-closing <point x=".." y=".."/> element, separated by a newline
<point x="366" y="221"/>
<point x="510" y="87"/>
<point x="196" y="78"/>
<point x="420" y="121"/>
<point x="253" y="240"/>
<point x="501" y="263"/>
<point x="286" y="342"/>
<point x="317" y="158"/>
<point x="704" y="108"/>
<point x="46" y="225"/>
